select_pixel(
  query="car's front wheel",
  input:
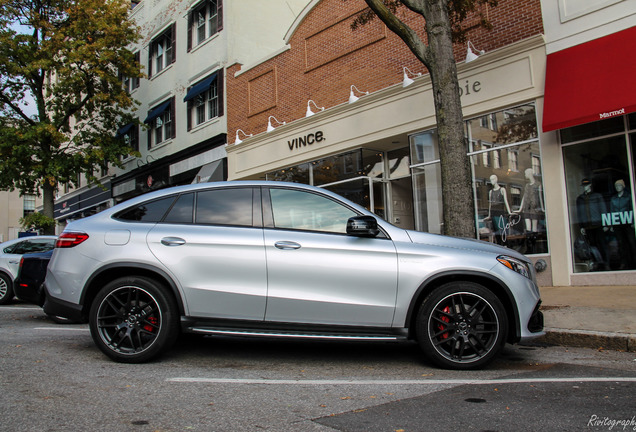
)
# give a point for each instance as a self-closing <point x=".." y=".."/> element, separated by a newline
<point x="133" y="319"/>
<point x="461" y="325"/>
<point x="6" y="289"/>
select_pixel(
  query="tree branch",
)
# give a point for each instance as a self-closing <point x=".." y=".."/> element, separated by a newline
<point x="407" y="34"/>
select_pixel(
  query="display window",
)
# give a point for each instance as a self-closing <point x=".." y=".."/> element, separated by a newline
<point x="599" y="170"/>
<point x="505" y="159"/>
<point x="507" y="176"/>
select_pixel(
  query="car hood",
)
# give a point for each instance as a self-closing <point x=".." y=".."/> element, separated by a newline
<point x="463" y="243"/>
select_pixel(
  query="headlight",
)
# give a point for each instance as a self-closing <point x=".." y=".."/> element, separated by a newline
<point x="516" y="265"/>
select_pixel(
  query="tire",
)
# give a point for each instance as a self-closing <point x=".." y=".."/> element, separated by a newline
<point x="134" y="319"/>
<point x="6" y="289"/>
<point x="461" y="325"/>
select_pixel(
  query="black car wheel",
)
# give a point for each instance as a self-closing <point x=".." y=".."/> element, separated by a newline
<point x="133" y="319"/>
<point x="461" y="325"/>
<point x="6" y="289"/>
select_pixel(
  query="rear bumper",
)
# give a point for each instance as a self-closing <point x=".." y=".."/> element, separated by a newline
<point x="56" y="307"/>
<point x="29" y="293"/>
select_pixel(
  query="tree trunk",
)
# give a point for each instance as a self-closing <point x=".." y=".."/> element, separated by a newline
<point x="457" y="190"/>
<point x="48" y="204"/>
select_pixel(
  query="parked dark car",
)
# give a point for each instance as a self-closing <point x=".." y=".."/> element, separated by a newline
<point x="28" y="285"/>
<point x="31" y="274"/>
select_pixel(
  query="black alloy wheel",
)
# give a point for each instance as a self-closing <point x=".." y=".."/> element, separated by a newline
<point x="133" y="319"/>
<point x="462" y="325"/>
<point x="6" y="289"/>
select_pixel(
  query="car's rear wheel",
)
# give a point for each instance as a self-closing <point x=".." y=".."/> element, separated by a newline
<point x="133" y="319"/>
<point x="461" y="325"/>
<point x="6" y="289"/>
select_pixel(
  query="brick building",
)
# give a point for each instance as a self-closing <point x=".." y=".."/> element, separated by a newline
<point x="380" y="150"/>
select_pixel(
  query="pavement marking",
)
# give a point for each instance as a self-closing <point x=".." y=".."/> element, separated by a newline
<point x="61" y="329"/>
<point x="20" y="308"/>
<point x="399" y="382"/>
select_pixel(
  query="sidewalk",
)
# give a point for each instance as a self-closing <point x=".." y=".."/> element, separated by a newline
<point x="592" y="317"/>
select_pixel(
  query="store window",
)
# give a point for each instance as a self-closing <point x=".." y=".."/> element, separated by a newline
<point x="505" y="154"/>
<point x="599" y="185"/>
<point x="509" y="188"/>
<point x="427" y="182"/>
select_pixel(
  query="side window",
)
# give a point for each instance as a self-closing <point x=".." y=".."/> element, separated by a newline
<point x="225" y="207"/>
<point x="32" y="246"/>
<point x="15" y="248"/>
<point x="181" y="211"/>
<point x="41" y="245"/>
<point x="308" y="211"/>
<point x="151" y="211"/>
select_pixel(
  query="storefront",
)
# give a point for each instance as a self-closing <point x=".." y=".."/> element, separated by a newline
<point x="198" y="164"/>
<point x="381" y="151"/>
<point x="591" y="113"/>
<point x="84" y="202"/>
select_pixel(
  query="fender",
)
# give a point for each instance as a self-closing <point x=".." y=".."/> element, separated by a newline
<point x="488" y="280"/>
<point x="122" y="269"/>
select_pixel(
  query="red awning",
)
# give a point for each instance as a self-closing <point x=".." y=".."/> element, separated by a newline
<point x="591" y="81"/>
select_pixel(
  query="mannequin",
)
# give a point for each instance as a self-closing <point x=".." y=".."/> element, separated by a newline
<point x="531" y="209"/>
<point x="621" y="203"/>
<point x="498" y="209"/>
<point x="590" y="206"/>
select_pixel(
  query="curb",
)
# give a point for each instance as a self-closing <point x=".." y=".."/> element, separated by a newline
<point x="589" y="339"/>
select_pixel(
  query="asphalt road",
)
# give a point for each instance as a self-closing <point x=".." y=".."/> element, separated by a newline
<point x="53" y="378"/>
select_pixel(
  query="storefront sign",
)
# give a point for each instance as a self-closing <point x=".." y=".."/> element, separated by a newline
<point x="304" y="141"/>
<point x="618" y="218"/>
<point x="468" y="87"/>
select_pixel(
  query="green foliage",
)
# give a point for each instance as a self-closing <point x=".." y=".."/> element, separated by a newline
<point x="62" y="99"/>
<point x="37" y="222"/>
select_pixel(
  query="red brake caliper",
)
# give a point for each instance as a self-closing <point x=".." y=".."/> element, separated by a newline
<point x="445" y="319"/>
<point x="154" y="321"/>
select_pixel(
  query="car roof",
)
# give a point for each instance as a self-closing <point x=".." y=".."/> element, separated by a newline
<point x="224" y="184"/>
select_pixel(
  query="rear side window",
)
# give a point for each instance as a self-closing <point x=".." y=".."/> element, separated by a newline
<point x="151" y="211"/>
<point x="225" y="207"/>
<point x="181" y="211"/>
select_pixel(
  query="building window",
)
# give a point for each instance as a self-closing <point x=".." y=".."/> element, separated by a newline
<point x="513" y="161"/>
<point x="130" y="135"/>
<point x="161" y="123"/>
<point x="162" y="51"/>
<point x="129" y="83"/>
<point x="28" y="204"/>
<point x="204" y="21"/>
<point x="205" y="100"/>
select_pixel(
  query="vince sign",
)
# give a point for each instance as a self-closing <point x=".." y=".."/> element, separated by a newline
<point x="305" y="140"/>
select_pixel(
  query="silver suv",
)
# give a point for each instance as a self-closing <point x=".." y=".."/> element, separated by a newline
<point x="284" y="260"/>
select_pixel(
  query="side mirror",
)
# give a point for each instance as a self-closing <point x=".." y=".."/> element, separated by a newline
<point x="362" y="226"/>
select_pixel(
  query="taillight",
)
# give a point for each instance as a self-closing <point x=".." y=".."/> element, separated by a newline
<point x="70" y="239"/>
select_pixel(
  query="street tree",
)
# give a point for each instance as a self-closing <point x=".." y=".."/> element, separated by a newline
<point x="443" y="26"/>
<point x="62" y="99"/>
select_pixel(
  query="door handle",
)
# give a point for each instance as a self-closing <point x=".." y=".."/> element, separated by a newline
<point x="286" y="245"/>
<point x="172" y="241"/>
